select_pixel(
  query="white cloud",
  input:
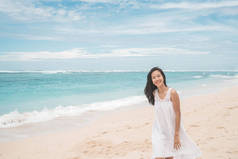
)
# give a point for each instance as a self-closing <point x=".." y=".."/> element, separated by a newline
<point x="43" y="55"/>
<point x="37" y="37"/>
<point x="195" y="6"/>
<point x="152" y="26"/>
<point x="96" y="26"/>
<point x="81" y="53"/>
<point x="28" y="11"/>
<point x="228" y="11"/>
<point x="31" y="36"/>
<point x="154" y="30"/>
<point x="166" y="22"/>
<point x="154" y="51"/>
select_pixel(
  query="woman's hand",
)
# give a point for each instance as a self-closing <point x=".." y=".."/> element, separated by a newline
<point x="177" y="144"/>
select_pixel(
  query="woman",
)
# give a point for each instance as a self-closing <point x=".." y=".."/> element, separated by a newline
<point x="169" y="139"/>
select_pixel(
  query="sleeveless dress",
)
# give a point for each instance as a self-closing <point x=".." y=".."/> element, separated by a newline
<point x="163" y="130"/>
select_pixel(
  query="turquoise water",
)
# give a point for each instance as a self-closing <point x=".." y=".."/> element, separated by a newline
<point x="39" y="96"/>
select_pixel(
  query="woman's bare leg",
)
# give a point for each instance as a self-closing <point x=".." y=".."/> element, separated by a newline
<point x="169" y="158"/>
<point x="159" y="158"/>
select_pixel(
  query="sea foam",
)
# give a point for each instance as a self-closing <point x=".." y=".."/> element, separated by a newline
<point x="16" y="118"/>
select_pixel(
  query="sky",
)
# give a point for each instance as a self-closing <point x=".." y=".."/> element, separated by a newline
<point x="104" y="35"/>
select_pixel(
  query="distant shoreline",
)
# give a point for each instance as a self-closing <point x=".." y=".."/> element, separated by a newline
<point x="64" y="71"/>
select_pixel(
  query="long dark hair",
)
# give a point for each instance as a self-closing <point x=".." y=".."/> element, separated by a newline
<point x="150" y="87"/>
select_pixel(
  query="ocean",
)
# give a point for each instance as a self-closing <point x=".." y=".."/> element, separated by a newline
<point x="39" y="96"/>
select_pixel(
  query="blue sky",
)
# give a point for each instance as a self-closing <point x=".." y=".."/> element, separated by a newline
<point x="118" y="35"/>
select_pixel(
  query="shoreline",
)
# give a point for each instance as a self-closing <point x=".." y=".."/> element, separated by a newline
<point x="33" y="113"/>
<point x="77" y="122"/>
<point x="125" y="133"/>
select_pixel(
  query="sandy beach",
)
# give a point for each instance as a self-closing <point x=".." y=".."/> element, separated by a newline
<point x="209" y="119"/>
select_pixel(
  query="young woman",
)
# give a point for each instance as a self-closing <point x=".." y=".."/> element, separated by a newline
<point x="169" y="139"/>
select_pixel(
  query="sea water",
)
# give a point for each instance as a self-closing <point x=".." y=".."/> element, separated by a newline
<point x="40" y="96"/>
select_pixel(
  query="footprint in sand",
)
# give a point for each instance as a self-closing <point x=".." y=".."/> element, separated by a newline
<point x="104" y="132"/>
<point x="91" y="142"/>
<point x="94" y="145"/>
<point x="128" y="127"/>
<point x="220" y="127"/>
<point x="194" y="125"/>
<point x="210" y="138"/>
<point x="232" y="107"/>
<point x="75" y="158"/>
<point x="147" y="123"/>
<point x="85" y="152"/>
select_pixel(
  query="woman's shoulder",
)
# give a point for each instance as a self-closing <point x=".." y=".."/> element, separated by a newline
<point x="173" y="91"/>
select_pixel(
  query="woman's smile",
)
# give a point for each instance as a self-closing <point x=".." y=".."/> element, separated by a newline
<point x="158" y="82"/>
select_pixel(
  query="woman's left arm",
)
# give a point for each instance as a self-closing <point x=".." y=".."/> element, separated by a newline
<point x="176" y="106"/>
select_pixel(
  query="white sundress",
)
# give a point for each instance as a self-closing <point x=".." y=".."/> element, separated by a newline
<point x="163" y="132"/>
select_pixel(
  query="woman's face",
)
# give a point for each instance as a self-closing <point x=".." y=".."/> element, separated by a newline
<point x="157" y="78"/>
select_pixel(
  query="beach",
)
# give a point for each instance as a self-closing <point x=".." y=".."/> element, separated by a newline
<point x="76" y="76"/>
<point x="209" y="119"/>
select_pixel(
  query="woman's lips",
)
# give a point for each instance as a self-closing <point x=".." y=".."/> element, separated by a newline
<point x="157" y="82"/>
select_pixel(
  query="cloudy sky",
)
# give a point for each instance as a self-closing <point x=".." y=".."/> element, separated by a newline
<point x="118" y="34"/>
